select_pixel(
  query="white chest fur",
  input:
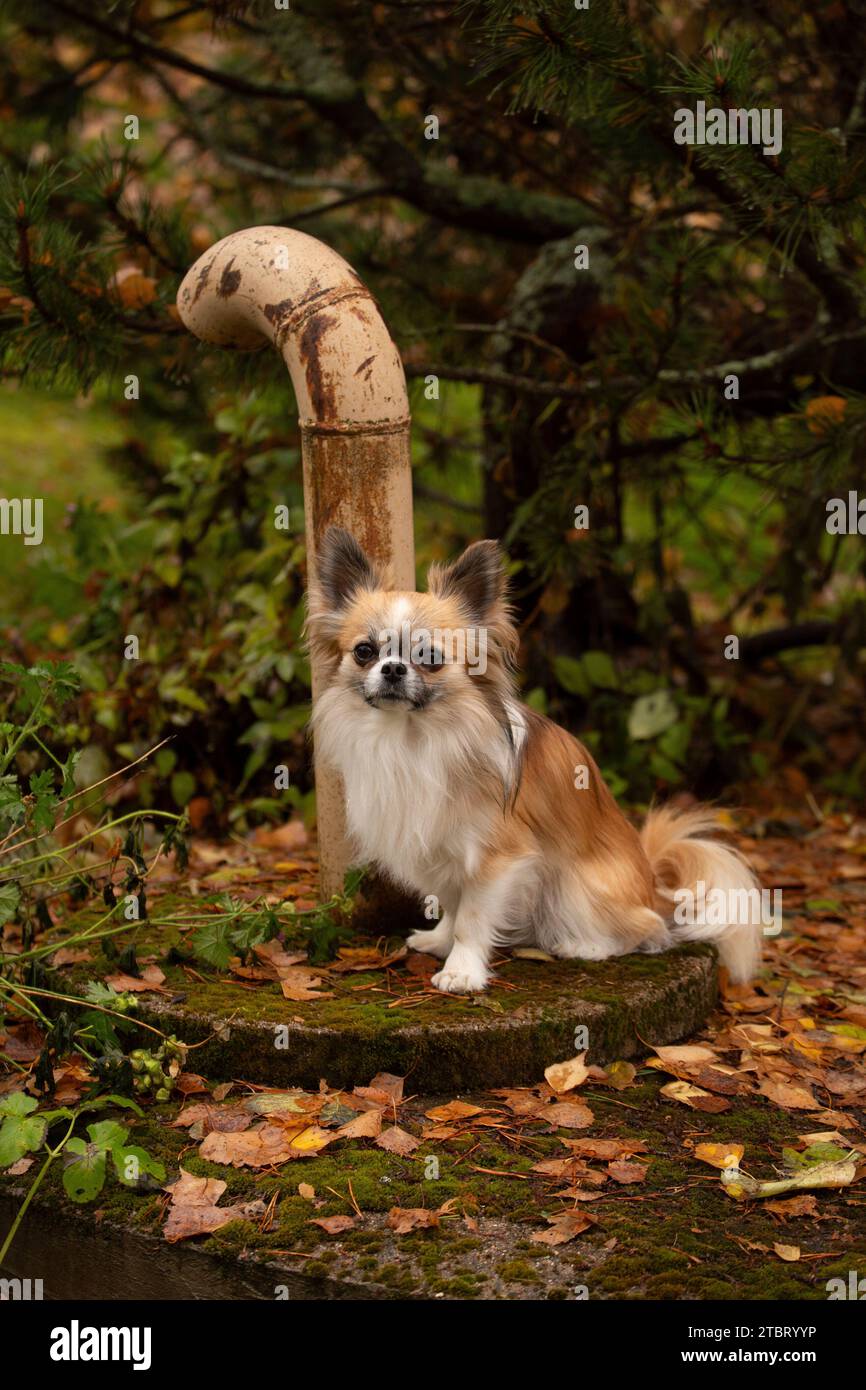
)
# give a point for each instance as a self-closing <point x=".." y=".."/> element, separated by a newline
<point x="404" y="778"/>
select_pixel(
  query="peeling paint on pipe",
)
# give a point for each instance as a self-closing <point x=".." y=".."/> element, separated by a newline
<point x="272" y="284"/>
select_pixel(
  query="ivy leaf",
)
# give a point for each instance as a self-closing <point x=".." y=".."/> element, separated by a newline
<point x="571" y="675"/>
<point x="107" y="1134"/>
<point x="212" y="943"/>
<point x="600" y="670"/>
<point x="21" y="1131"/>
<point x="84" y="1173"/>
<point x="17" y="1104"/>
<point x="133" y="1163"/>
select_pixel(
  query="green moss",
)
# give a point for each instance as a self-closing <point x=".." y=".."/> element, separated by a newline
<point x="448" y="1043"/>
<point x="466" y="1244"/>
<point x="461" y="1286"/>
<point x="680" y="1239"/>
<point x="518" y="1272"/>
<point x="398" y="1278"/>
<point x="687" y="1238"/>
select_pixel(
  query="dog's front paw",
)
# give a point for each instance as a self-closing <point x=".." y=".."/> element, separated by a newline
<point x="432" y="943"/>
<point x="466" y="980"/>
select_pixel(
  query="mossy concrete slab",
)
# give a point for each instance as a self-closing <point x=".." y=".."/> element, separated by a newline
<point x="80" y="1257"/>
<point x="675" y="1235"/>
<point x="388" y="1021"/>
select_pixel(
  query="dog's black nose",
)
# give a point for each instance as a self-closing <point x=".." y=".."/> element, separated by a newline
<point x="393" y="671"/>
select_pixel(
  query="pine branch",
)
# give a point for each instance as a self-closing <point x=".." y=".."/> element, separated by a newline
<point x="761" y="365"/>
<point x="25" y="262"/>
<point x="548" y="72"/>
<point x="475" y="203"/>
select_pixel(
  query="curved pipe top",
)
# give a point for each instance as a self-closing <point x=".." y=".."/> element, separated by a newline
<point x="283" y="286"/>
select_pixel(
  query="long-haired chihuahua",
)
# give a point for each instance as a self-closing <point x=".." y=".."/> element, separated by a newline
<point x="461" y="794"/>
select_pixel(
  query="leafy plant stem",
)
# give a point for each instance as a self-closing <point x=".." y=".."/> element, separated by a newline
<point x="51" y="1155"/>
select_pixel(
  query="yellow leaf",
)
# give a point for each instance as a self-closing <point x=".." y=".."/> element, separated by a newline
<point x="695" y="1097"/>
<point x="312" y="1139"/>
<point x="688" y="1055"/>
<point x="720" y="1155"/>
<point x="454" y="1110"/>
<point x="806" y="1049"/>
<point x="564" y="1076"/>
<point x="620" y="1075"/>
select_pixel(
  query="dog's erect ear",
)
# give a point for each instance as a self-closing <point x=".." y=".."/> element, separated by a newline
<point x="343" y="569"/>
<point x="477" y="580"/>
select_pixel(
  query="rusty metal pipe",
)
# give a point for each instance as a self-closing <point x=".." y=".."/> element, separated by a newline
<point x="281" y="286"/>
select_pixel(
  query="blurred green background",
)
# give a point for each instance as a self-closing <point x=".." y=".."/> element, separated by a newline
<point x="556" y="387"/>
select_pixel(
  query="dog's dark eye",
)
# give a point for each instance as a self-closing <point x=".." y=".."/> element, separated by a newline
<point x="364" y="652"/>
<point x="434" y="662"/>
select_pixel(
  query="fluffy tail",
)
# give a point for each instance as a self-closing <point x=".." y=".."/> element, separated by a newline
<point x="727" y="910"/>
